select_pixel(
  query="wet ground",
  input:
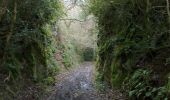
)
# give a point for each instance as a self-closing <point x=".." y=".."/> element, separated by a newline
<point x="78" y="84"/>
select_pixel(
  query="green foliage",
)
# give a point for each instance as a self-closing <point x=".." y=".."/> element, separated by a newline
<point x="140" y="87"/>
<point x="26" y="42"/>
<point x="69" y="53"/>
<point x="100" y="85"/>
<point x="88" y="54"/>
<point x="49" y="81"/>
<point x="133" y="34"/>
<point x="67" y="59"/>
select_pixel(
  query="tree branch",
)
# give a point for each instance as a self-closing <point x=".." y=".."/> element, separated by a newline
<point x="74" y="19"/>
<point x="168" y="10"/>
<point x="3" y="8"/>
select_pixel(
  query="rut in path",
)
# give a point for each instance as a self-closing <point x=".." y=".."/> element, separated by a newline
<point x="77" y="84"/>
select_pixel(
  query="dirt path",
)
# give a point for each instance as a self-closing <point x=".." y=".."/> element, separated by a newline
<point x="77" y="84"/>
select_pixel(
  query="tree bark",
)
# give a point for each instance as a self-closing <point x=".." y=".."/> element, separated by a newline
<point x="13" y="22"/>
<point x="3" y="8"/>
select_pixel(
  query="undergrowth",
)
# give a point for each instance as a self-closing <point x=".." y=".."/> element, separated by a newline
<point x="27" y="45"/>
<point x="134" y="35"/>
<point x="140" y="86"/>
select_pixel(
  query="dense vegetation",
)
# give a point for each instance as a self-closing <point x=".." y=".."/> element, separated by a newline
<point x="35" y="42"/>
<point x="77" y="34"/>
<point x="26" y="42"/>
<point x="134" y="46"/>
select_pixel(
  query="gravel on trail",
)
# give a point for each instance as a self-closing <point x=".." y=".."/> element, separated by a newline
<point x="78" y="84"/>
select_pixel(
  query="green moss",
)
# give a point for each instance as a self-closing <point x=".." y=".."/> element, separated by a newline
<point x="132" y="34"/>
<point x="27" y="45"/>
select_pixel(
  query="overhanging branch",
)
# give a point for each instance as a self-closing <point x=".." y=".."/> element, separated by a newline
<point x="74" y="19"/>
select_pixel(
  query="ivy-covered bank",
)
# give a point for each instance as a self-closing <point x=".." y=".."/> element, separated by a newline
<point x="26" y="42"/>
<point x="134" y="46"/>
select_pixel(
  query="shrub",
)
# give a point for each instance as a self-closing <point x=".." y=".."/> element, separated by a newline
<point x="26" y="40"/>
<point x="140" y="87"/>
<point x="132" y="34"/>
<point x="88" y="54"/>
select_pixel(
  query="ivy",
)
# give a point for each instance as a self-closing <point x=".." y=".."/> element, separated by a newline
<point x="26" y="39"/>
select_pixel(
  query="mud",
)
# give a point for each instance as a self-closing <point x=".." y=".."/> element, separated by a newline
<point x="78" y="84"/>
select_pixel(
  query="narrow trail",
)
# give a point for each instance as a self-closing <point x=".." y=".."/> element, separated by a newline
<point x="77" y="84"/>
